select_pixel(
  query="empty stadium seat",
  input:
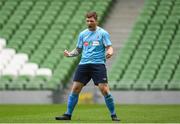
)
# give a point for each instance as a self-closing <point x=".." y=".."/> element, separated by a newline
<point x="150" y="56"/>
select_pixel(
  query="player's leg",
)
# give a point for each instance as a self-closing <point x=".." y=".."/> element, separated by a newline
<point x="81" y="78"/>
<point x="107" y="97"/>
<point x="73" y="97"/>
<point x="99" y="77"/>
<point x="104" y="88"/>
<point x="72" y="101"/>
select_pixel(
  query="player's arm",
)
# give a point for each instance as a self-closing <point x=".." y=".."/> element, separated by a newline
<point x="78" y="48"/>
<point x="109" y="52"/>
<point x="73" y="53"/>
<point x="107" y="44"/>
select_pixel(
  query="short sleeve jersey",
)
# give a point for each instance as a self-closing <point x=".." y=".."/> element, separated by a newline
<point x="93" y="44"/>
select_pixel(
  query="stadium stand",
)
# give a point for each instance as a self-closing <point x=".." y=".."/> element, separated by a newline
<point x="33" y="36"/>
<point x="150" y="58"/>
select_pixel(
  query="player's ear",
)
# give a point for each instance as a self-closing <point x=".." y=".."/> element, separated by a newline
<point x="97" y="22"/>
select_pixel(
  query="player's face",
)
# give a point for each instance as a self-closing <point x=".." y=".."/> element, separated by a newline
<point x="91" y="23"/>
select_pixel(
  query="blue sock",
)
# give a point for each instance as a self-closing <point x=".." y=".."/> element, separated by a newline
<point x="72" y="101"/>
<point x="110" y="103"/>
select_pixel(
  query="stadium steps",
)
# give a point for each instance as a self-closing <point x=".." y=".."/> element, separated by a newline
<point x="41" y="30"/>
<point x="150" y="57"/>
<point x="120" y="21"/>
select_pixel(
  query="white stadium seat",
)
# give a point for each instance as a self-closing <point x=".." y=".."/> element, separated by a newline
<point x="4" y="60"/>
<point x="21" y="56"/>
<point x="44" y="71"/>
<point x="8" y="52"/>
<point x="10" y="71"/>
<point x="5" y="56"/>
<point x="2" y="42"/>
<point x="14" y="66"/>
<point x="1" y="47"/>
<point x="1" y="69"/>
<point x="29" y="69"/>
<point x="12" y="63"/>
<point x="19" y="59"/>
<point x="32" y="66"/>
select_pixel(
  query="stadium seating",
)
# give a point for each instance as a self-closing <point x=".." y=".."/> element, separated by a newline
<point x="150" y="58"/>
<point x="33" y="36"/>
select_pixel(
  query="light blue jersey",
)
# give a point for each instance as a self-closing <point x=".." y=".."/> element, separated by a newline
<point x="93" y="44"/>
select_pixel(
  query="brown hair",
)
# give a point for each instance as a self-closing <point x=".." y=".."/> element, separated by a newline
<point x="92" y="14"/>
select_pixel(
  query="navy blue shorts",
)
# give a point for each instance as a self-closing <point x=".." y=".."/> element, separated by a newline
<point x="85" y="72"/>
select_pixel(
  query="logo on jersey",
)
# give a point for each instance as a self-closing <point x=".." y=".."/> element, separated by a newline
<point x="95" y="43"/>
<point x="86" y="43"/>
<point x="104" y="79"/>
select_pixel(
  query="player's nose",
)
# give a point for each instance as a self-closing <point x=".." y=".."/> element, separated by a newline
<point x="89" y="23"/>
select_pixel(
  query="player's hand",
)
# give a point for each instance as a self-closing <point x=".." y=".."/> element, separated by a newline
<point x="66" y="53"/>
<point x="108" y="55"/>
<point x="109" y="52"/>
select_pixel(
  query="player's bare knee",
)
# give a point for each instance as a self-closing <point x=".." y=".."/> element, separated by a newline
<point x="76" y="89"/>
<point x="104" y="89"/>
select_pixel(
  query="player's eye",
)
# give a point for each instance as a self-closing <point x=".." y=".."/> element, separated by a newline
<point x="90" y="21"/>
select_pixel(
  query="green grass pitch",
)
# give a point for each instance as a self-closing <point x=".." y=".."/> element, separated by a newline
<point x="90" y="113"/>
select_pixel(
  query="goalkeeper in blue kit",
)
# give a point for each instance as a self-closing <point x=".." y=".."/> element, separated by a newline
<point x="95" y="45"/>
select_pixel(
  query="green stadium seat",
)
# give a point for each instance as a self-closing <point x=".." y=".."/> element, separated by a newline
<point x="113" y="85"/>
<point x="32" y="86"/>
<point x="15" y="85"/>
<point x="6" y="78"/>
<point x="13" y="45"/>
<point x="152" y="3"/>
<point x="158" y="85"/>
<point x="141" y="85"/>
<point x="3" y="86"/>
<point x="115" y="76"/>
<point x="174" y="86"/>
<point x="52" y="86"/>
<point x="124" y="85"/>
<point x="166" y="3"/>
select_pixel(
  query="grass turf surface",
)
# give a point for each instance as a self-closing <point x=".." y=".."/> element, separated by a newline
<point x="90" y="113"/>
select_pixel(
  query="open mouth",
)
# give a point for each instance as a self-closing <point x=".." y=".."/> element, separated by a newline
<point x="89" y="26"/>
